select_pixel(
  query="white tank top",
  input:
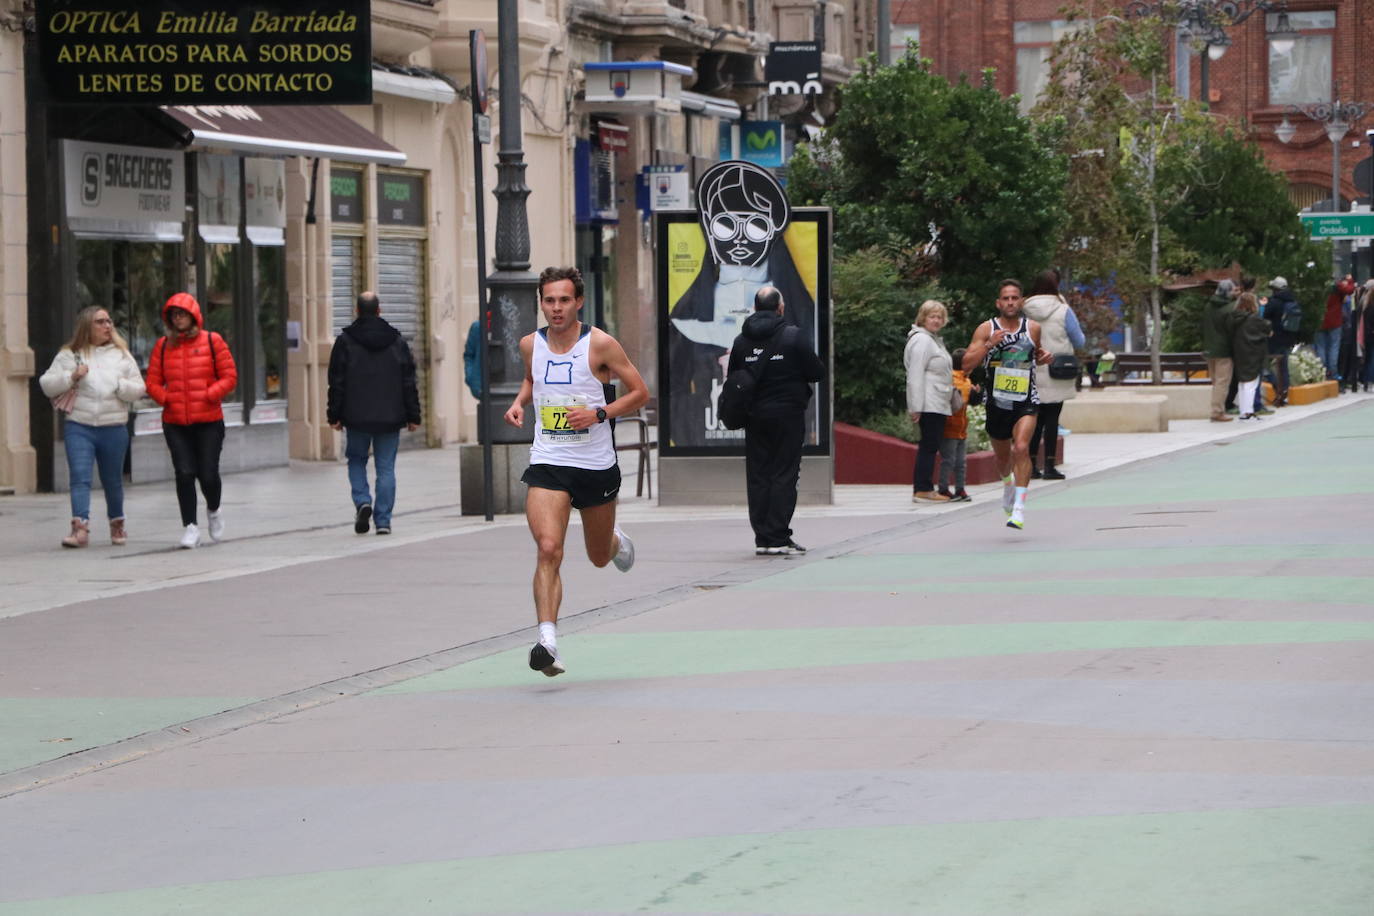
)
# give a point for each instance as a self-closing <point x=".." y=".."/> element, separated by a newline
<point x="563" y="380"/>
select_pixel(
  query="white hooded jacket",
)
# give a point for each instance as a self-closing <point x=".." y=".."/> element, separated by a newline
<point x="929" y="373"/>
<point x="104" y="393"/>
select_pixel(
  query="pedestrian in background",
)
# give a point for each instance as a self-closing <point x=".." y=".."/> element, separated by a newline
<point x="929" y="393"/>
<point x="1249" y="343"/>
<point x="1356" y="364"/>
<point x="472" y="360"/>
<point x="1284" y="315"/>
<point x="190" y="374"/>
<point x="94" y="379"/>
<point x="1216" y="344"/>
<point x="1327" y="340"/>
<point x="1060" y="335"/>
<point x="776" y="426"/>
<point x="372" y="395"/>
<point x="954" y="442"/>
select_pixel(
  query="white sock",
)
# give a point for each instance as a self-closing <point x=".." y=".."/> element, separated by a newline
<point x="1021" y="497"/>
<point x="548" y="635"/>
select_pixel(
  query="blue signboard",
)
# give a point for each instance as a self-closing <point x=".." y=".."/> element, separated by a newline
<point x="760" y="142"/>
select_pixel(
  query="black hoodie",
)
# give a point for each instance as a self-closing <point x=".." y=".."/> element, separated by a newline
<point x="372" y="378"/>
<point x="784" y="386"/>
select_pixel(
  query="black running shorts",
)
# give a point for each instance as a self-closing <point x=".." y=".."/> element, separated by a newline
<point x="1001" y="422"/>
<point x="587" y="488"/>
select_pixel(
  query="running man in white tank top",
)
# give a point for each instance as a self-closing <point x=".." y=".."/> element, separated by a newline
<point x="1008" y="348"/>
<point x="572" y="460"/>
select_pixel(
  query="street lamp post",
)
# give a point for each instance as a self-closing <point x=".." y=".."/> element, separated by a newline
<point x="1204" y="24"/>
<point x="1336" y="118"/>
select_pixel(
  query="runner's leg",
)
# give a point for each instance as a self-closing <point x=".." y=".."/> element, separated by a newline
<point x="1020" y="449"/>
<point x="598" y="531"/>
<point x="547" y="512"/>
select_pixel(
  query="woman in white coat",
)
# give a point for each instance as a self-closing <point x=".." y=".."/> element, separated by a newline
<point x="1060" y="334"/>
<point x="96" y="363"/>
<point x="929" y="387"/>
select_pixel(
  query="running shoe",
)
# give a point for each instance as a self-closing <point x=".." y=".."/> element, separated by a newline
<point x="1016" y="518"/>
<point x="624" y="557"/>
<point x="545" y="662"/>
<point x="1008" y="497"/>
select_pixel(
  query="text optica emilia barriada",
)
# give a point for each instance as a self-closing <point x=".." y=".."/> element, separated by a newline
<point x="104" y="22"/>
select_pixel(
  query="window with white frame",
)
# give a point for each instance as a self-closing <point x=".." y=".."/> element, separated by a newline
<point x="901" y="34"/>
<point x="1302" y="74"/>
<point x="1034" y="40"/>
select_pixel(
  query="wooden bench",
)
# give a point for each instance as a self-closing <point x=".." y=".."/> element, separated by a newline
<point x="1177" y="369"/>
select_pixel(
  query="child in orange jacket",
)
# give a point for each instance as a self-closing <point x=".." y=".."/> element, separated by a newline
<point x="953" y="450"/>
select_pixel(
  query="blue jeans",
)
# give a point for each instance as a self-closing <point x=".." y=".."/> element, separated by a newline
<point x="1328" y="347"/>
<point x="384" y="446"/>
<point x="104" y="447"/>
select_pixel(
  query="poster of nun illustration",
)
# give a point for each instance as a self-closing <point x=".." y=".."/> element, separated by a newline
<point x="743" y="235"/>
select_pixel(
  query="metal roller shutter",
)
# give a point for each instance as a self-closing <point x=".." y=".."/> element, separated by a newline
<point x="345" y="278"/>
<point x="401" y="288"/>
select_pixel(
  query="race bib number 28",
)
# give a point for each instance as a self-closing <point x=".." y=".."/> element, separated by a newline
<point x="1011" y="384"/>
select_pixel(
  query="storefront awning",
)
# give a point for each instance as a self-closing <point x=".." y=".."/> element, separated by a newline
<point x="281" y="131"/>
<point x="710" y="105"/>
<point x="410" y="86"/>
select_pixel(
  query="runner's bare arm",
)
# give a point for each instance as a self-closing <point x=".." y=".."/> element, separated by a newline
<point x="515" y="414"/>
<point x="608" y="356"/>
<point x="1042" y="355"/>
<point x="977" y="349"/>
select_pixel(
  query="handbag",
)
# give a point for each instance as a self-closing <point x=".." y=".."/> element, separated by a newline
<point x="67" y="399"/>
<point x="1065" y="366"/>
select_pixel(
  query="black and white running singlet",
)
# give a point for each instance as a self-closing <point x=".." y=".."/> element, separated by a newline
<point x="1010" y="367"/>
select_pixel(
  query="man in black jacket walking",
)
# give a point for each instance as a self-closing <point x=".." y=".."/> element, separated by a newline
<point x="372" y="394"/>
<point x="776" y="427"/>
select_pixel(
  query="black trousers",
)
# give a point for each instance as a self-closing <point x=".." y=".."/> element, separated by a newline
<point x="195" y="450"/>
<point x="932" y="426"/>
<point x="772" y="467"/>
<point x="1046" y="428"/>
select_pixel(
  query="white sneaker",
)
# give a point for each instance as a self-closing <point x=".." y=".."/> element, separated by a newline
<point x="190" y="537"/>
<point x="216" y="526"/>
<point x="1008" y="497"/>
<point x="1016" y="518"/>
<point x="624" y="557"/>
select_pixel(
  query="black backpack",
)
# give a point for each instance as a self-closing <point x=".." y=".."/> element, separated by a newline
<point x="737" y="395"/>
<point x="1292" y="317"/>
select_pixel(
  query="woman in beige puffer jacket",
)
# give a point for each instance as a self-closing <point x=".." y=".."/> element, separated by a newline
<point x="1060" y="334"/>
<point x="98" y="365"/>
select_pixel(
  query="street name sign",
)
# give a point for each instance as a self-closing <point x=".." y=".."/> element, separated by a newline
<point x="1339" y="225"/>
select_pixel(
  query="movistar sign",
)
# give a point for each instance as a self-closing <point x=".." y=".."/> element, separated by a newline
<point x="761" y="143"/>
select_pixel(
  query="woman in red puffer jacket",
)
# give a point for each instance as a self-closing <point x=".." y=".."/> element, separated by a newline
<point x="190" y="373"/>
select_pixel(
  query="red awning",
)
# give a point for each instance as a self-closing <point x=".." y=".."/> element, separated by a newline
<point x="273" y="130"/>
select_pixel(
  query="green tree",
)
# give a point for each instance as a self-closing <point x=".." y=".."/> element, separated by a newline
<point x="948" y="179"/>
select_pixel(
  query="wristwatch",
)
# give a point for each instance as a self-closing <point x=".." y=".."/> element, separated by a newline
<point x="601" y="415"/>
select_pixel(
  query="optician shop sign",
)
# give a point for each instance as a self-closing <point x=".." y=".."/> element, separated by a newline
<point x="206" y="52"/>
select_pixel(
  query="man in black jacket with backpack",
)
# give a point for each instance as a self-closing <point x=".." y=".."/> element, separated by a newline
<point x="372" y="394"/>
<point x="776" y="427"/>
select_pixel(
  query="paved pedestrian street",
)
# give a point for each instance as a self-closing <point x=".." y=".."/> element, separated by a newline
<point x="1156" y="700"/>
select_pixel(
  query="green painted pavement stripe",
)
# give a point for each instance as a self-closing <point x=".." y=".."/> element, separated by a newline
<point x="877" y="569"/>
<point x="617" y="656"/>
<point x="1277" y="464"/>
<point x="1266" y="862"/>
<point x="1357" y="590"/>
<point x="32" y="730"/>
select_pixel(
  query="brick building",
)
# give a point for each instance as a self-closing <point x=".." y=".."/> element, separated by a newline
<point x="1251" y="83"/>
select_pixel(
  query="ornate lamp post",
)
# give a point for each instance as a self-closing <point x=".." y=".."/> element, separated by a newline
<point x="1337" y="118"/>
<point x="1204" y="23"/>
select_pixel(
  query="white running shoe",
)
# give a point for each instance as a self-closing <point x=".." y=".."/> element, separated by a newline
<point x="1017" y="518"/>
<point x="216" y="526"/>
<point x="1008" y="497"/>
<point x="545" y="662"/>
<point x="624" y="557"/>
<point x="190" y="537"/>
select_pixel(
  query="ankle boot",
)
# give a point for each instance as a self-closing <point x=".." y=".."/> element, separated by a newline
<point x="1035" y="471"/>
<point x="118" y="536"/>
<point x="1051" y="472"/>
<point x="81" y="534"/>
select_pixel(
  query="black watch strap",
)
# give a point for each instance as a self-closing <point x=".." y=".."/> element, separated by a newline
<point x="601" y="415"/>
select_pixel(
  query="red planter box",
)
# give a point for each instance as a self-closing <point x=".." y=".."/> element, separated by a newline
<point x="862" y="456"/>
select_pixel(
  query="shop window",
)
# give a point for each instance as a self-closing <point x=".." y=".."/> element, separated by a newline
<point x="1303" y="73"/>
<point x="901" y="34"/>
<point x="218" y="306"/>
<point x="131" y="280"/>
<point x="269" y="292"/>
<point x="1034" y="44"/>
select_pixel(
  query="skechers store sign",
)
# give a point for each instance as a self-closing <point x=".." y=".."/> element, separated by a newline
<point x="206" y="52"/>
<point x="128" y="192"/>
